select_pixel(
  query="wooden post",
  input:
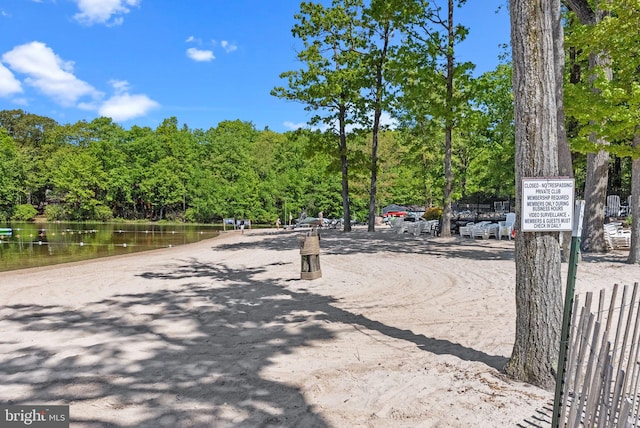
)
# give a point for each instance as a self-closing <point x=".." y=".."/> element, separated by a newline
<point x="310" y="256"/>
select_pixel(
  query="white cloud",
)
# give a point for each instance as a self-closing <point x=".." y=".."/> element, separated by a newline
<point x="293" y="126"/>
<point x="107" y="12"/>
<point x="200" y="55"/>
<point x="388" y="121"/>
<point x="123" y="107"/>
<point x="385" y="121"/>
<point x="47" y="72"/>
<point x="54" y="77"/>
<point x="227" y="46"/>
<point x="9" y="85"/>
<point x="119" y="86"/>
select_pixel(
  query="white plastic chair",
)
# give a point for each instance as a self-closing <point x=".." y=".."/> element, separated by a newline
<point x="625" y="210"/>
<point x="616" y="237"/>
<point x="466" y="230"/>
<point x="432" y="227"/>
<point x="613" y="206"/>
<point x="506" y="227"/>
<point x="418" y="227"/>
<point x="484" y="230"/>
<point x="398" y="226"/>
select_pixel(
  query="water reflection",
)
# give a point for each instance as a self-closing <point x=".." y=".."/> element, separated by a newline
<point x="25" y="245"/>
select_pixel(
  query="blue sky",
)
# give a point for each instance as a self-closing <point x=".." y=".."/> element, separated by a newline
<point x="202" y="61"/>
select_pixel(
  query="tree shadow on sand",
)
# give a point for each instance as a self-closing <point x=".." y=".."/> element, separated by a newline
<point x="189" y="355"/>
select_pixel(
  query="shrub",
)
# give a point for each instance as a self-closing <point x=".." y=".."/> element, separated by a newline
<point x="102" y="213"/>
<point x="55" y="212"/>
<point x="197" y="215"/>
<point x="174" y="216"/>
<point x="433" y="213"/>
<point x="190" y="215"/>
<point x="24" y="212"/>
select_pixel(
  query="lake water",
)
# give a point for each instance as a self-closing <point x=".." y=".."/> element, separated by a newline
<point x="43" y="244"/>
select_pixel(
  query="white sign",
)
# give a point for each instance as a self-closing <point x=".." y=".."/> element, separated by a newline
<point x="547" y="204"/>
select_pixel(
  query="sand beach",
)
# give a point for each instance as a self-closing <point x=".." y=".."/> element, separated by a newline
<point x="400" y="331"/>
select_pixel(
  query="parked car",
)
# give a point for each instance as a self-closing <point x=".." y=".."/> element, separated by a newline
<point x="413" y="218"/>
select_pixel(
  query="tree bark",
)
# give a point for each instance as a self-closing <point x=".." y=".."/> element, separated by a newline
<point x="538" y="282"/>
<point x="634" y="206"/>
<point x="448" y="132"/>
<point x="565" y="164"/>
<point x="344" y="166"/>
<point x="595" y="195"/>
<point x="379" y="91"/>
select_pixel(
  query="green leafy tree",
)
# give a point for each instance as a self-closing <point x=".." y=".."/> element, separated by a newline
<point x="162" y="187"/>
<point x="331" y="81"/>
<point x="606" y="102"/>
<point x="205" y="196"/>
<point x="230" y="161"/>
<point x="407" y="169"/>
<point x="9" y="175"/>
<point x="78" y="179"/>
<point x="291" y="157"/>
<point x="489" y="135"/>
<point x="105" y="141"/>
<point x="590" y="13"/>
<point x="140" y="155"/>
<point x="35" y="139"/>
<point x="264" y="151"/>
<point x="380" y="21"/>
<point x="434" y="85"/>
<point x="179" y="151"/>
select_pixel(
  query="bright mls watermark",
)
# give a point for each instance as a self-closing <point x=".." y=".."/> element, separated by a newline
<point x="34" y="416"/>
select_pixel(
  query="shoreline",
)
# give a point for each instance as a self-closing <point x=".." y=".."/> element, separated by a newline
<point x="113" y="257"/>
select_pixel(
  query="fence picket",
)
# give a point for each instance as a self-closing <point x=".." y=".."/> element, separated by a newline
<point x="631" y="367"/>
<point x="602" y="378"/>
<point x="597" y="385"/>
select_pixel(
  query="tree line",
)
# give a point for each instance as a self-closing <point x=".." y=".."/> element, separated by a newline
<point x="100" y="171"/>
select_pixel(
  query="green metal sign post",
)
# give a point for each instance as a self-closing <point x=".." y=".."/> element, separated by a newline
<point x="568" y="305"/>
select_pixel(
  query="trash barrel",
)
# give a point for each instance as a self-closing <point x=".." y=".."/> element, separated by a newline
<point x="310" y="256"/>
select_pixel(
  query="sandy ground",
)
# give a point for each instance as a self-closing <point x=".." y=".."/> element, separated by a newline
<point x="398" y="332"/>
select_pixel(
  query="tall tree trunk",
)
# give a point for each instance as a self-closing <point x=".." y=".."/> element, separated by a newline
<point x="595" y="187"/>
<point x="565" y="164"/>
<point x="634" y="206"/>
<point x="448" y="132"/>
<point x="374" y="172"/>
<point x="595" y="195"/>
<point x="344" y="165"/>
<point x="538" y="282"/>
<point x="379" y="91"/>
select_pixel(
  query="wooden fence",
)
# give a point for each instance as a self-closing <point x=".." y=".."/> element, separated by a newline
<point x="600" y="388"/>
